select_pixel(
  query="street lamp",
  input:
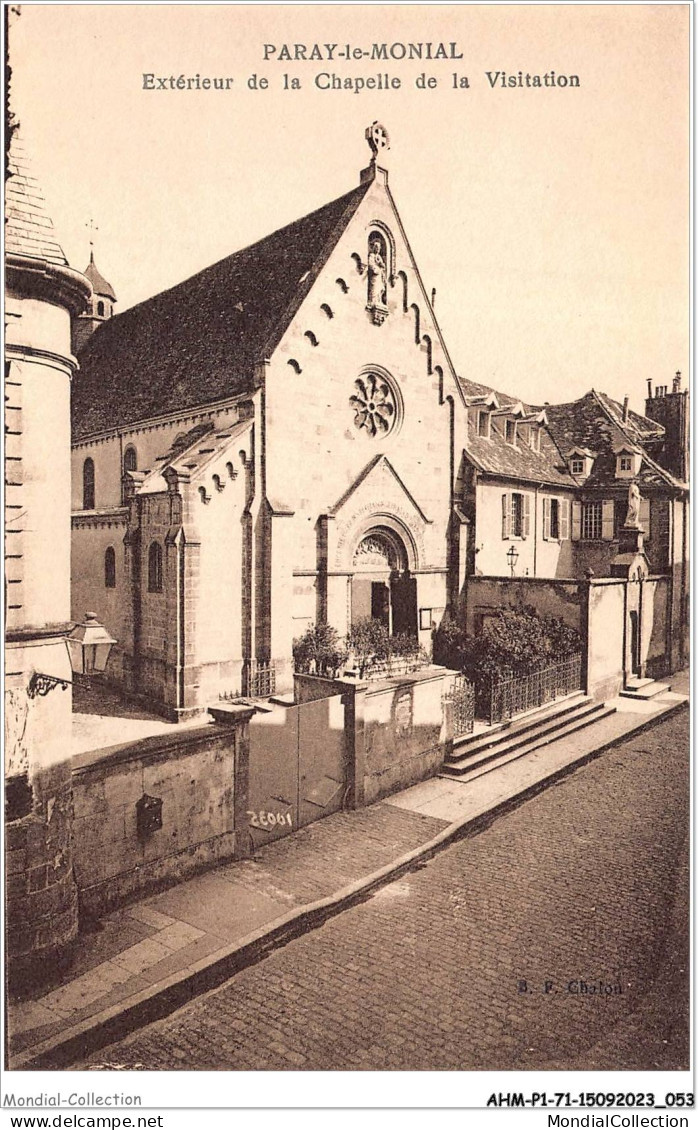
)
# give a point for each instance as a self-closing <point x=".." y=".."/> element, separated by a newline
<point x="512" y="558"/>
<point x="89" y="645"/>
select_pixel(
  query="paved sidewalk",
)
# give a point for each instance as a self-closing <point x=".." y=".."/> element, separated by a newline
<point x="154" y="955"/>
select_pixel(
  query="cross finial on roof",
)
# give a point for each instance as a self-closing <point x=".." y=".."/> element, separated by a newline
<point x="377" y="138"/>
<point x="92" y="227"/>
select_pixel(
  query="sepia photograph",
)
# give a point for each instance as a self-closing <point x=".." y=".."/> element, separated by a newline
<point x="347" y="366"/>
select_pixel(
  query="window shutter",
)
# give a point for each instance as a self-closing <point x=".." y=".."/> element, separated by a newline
<point x="526" y="527"/>
<point x="607" y="523"/>
<point x="645" y="516"/>
<point x="576" y="521"/>
<point x="505" y="515"/>
<point x="564" y="513"/>
<point x="546" y="519"/>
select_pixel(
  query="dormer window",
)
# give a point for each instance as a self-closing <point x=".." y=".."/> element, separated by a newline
<point x="627" y="462"/>
<point x="534" y="438"/>
<point x="510" y="432"/>
<point x="483" y="424"/>
<point x="580" y="462"/>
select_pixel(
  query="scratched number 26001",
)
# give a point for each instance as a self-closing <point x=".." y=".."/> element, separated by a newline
<point x="269" y="820"/>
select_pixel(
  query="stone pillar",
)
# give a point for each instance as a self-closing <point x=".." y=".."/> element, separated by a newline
<point x="354" y="699"/>
<point x="238" y="718"/>
<point x="280" y="588"/>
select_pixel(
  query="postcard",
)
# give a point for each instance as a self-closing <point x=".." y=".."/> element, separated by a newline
<point x="347" y="560"/>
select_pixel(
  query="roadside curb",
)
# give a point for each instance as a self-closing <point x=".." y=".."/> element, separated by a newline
<point x="158" y="1001"/>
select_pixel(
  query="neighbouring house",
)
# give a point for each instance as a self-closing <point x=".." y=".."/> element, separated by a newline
<point x="546" y="495"/>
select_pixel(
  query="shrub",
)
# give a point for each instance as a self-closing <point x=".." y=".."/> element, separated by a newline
<point x="372" y="645"/>
<point x="450" y="642"/>
<point x="369" y="640"/>
<point x="319" y="650"/>
<point x="518" y="641"/>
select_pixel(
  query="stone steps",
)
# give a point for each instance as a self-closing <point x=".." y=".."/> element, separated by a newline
<point x="475" y="743"/>
<point x="644" y="689"/>
<point x="491" y="751"/>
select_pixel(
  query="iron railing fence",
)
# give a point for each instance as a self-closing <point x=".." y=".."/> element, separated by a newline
<point x="461" y="697"/>
<point x="500" y="700"/>
<point x="258" y="679"/>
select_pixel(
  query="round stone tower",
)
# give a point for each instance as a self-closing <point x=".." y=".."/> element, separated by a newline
<point x="42" y="296"/>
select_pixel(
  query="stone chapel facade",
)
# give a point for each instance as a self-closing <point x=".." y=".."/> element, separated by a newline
<point x="269" y="444"/>
<point x="282" y="440"/>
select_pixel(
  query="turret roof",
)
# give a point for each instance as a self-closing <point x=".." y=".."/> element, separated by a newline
<point x="29" y="229"/>
<point x="99" y="284"/>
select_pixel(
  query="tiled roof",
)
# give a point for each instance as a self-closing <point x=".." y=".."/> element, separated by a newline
<point x="498" y="457"/>
<point x="641" y="427"/>
<point x="472" y="388"/>
<point x="596" y="421"/>
<point x="199" y="342"/>
<point x="28" y="227"/>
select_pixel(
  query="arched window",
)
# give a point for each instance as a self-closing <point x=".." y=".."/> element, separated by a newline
<point x="88" y="485"/>
<point x="155" y="567"/>
<point x="130" y="458"/>
<point x="100" y="309"/>
<point x="110" y="568"/>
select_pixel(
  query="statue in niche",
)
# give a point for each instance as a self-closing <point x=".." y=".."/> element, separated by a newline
<point x="632" y="518"/>
<point x="377" y="272"/>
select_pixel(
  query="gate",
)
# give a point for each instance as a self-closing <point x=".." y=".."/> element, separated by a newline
<point x="297" y="767"/>
<point x="461" y="697"/>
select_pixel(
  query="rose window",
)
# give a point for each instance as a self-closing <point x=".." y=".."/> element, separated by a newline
<point x="374" y="404"/>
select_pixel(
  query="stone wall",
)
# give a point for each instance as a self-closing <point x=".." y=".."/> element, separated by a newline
<point x="549" y="598"/>
<point x="200" y="775"/>
<point x="405" y="734"/>
<point x="40" y="892"/>
<point x="655" y="627"/>
<point x="606" y="634"/>
<point x="398" y="731"/>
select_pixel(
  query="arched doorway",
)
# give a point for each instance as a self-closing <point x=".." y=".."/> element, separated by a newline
<point x="381" y="586"/>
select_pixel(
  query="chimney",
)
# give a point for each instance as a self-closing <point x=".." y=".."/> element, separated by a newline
<point x="433" y="297"/>
<point x="626" y="400"/>
<point x="649" y="388"/>
<point x="670" y="409"/>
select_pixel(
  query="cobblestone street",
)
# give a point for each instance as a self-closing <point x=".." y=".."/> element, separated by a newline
<point x="584" y="886"/>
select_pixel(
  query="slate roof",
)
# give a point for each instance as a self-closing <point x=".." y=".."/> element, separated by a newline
<point x="640" y="427"/>
<point x="472" y="388"/>
<point x="99" y="284"/>
<point x="28" y="226"/>
<point x="198" y="342"/>
<point x="596" y="421"/>
<point x="498" y="457"/>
